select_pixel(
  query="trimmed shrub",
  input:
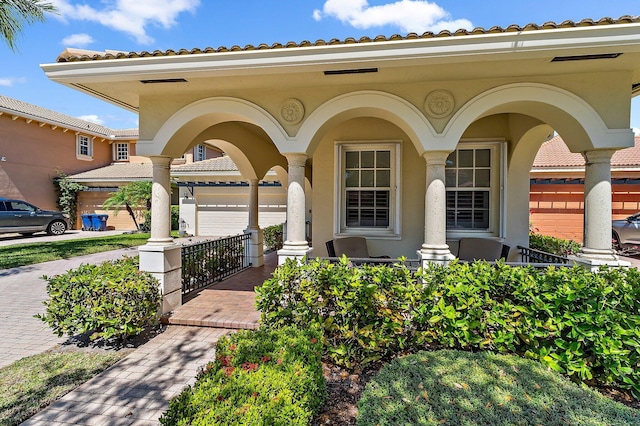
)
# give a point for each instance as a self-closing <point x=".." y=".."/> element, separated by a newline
<point x="110" y="300"/>
<point x="259" y="377"/>
<point x="175" y="219"/>
<point x="273" y="237"/>
<point x="574" y="321"/>
<point x="463" y="388"/>
<point x="557" y="246"/>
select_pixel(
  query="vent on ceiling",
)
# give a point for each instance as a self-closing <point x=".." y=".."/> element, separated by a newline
<point x="164" y="80"/>
<point x="351" y="71"/>
<point x="586" y="57"/>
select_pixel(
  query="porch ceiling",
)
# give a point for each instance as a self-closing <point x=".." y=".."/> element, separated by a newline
<point x="474" y="56"/>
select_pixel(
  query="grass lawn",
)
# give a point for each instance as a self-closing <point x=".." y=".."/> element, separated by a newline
<point x="30" y="253"/>
<point x="470" y="389"/>
<point x="32" y="383"/>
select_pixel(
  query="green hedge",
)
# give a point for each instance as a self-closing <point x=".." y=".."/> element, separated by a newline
<point x="110" y="300"/>
<point x="263" y="377"/>
<point x="463" y="388"/>
<point x="557" y="246"/>
<point x="273" y="237"/>
<point x="584" y="324"/>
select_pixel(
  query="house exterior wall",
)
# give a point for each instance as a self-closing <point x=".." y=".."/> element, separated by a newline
<point x="412" y="187"/>
<point x="34" y="154"/>
<point x="602" y="91"/>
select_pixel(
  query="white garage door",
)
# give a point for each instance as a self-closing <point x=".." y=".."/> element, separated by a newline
<point x="223" y="215"/>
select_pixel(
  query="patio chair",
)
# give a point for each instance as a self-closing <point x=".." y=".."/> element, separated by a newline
<point x="470" y="249"/>
<point x="352" y="247"/>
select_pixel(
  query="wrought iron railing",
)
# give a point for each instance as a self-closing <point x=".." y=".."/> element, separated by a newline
<point x="533" y="256"/>
<point x="208" y="262"/>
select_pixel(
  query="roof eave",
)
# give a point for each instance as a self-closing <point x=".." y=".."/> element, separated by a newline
<point x="485" y="47"/>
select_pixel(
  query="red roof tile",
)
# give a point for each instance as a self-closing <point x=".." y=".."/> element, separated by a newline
<point x="554" y="154"/>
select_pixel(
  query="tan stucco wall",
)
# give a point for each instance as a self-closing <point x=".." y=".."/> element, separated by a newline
<point x="607" y="93"/>
<point x="412" y="184"/>
<point x="33" y="156"/>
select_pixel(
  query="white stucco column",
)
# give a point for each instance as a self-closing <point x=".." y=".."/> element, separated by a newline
<point x="161" y="202"/>
<point x="256" y="245"/>
<point x="296" y="245"/>
<point x="161" y="256"/>
<point x="597" y="210"/>
<point x="435" y="248"/>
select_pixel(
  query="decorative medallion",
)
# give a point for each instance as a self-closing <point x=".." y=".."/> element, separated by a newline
<point x="292" y="111"/>
<point x="439" y="103"/>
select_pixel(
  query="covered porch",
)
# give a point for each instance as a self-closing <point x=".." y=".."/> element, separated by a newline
<point x="411" y="142"/>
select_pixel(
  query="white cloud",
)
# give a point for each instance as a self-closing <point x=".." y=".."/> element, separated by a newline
<point x="408" y="15"/>
<point x="91" y="118"/>
<point x="636" y="131"/>
<point x="77" y="40"/>
<point x="11" y="81"/>
<point x="130" y="17"/>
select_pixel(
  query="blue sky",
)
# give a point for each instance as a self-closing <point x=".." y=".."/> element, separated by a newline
<point x="174" y="24"/>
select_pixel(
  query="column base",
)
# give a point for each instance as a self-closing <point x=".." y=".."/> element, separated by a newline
<point x="439" y="254"/>
<point x="593" y="259"/>
<point x="256" y="247"/>
<point x="165" y="263"/>
<point x="293" y="253"/>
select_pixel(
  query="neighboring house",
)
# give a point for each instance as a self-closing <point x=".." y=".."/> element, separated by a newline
<point x="37" y="143"/>
<point x="102" y="182"/>
<point x="214" y="198"/>
<point x="557" y="188"/>
<point x="411" y="141"/>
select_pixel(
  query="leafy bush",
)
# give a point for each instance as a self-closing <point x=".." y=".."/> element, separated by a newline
<point x="68" y="196"/>
<point x="175" y="220"/>
<point x="110" y="300"/>
<point x="462" y="388"/>
<point x="557" y="246"/>
<point x="273" y="237"/>
<point x="258" y="378"/>
<point x="577" y="322"/>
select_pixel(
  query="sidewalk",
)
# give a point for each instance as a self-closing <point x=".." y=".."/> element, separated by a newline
<point x="137" y="389"/>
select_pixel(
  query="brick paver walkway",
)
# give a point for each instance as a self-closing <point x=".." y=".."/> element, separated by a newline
<point x="228" y="304"/>
<point x="136" y="390"/>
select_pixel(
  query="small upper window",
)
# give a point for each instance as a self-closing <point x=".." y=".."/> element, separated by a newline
<point x="199" y="153"/>
<point x="122" y="151"/>
<point x="84" y="146"/>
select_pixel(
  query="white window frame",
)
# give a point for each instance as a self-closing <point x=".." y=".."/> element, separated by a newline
<point x="199" y="155"/>
<point x="82" y="142"/>
<point x="497" y="190"/>
<point x="117" y="153"/>
<point x="393" y="231"/>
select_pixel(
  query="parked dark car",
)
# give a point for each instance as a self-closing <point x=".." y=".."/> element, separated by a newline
<point x="626" y="234"/>
<point x="24" y="218"/>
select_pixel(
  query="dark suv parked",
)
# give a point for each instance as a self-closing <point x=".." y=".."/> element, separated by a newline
<point x="24" y="218"/>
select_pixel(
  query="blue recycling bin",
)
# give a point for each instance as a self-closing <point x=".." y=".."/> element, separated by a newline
<point x="87" y="224"/>
<point x="99" y="222"/>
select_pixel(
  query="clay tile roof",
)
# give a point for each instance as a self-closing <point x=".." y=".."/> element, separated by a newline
<point x="218" y="164"/>
<point x="554" y="154"/>
<point x="74" y="55"/>
<point x="23" y="109"/>
<point x="115" y="172"/>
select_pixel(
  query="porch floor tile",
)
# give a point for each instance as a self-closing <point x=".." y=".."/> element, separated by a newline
<point x="227" y="304"/>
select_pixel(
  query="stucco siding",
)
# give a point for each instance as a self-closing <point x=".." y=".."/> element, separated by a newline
<point x="34" y="154"/>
